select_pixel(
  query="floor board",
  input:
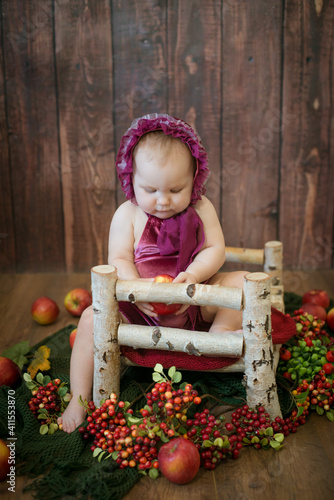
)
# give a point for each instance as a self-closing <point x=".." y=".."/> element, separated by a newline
<point x="304" y="468"/>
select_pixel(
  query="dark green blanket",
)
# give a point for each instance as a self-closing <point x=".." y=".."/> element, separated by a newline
<point x="64" y="462"/>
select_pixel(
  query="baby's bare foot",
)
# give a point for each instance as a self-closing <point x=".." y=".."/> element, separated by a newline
<point x="72" y="417"/>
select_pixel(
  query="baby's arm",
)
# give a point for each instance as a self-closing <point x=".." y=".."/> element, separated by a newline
<point x="121" y="248"/>
<point x="212" y="256"/>
<point x="121" y="242"/>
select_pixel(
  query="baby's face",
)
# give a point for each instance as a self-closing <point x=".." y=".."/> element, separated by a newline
<point x="163" y="186"/>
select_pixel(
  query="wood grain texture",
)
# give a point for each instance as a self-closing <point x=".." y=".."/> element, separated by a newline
<point x="84" y="77"/>
<point x="251" y="70"/>
<point x="33" y="134"/>
<point x="140" y="66"/>
<point x="303" y="468"/>
<point x="194" y="77"/>
<point x="7" y="231"/>
<point x="307" y="175"/>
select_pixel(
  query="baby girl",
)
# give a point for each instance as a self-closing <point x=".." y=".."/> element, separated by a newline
<point x="166" y="226"/>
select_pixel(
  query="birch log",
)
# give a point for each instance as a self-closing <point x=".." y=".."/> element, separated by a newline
<point x="176" y="339"/>
<point x="273" y="261"/>
<point x="179" y="293"/>
<point x="244" y="255"/>
<point x="260" y="374"/>
<point x="106" y="320"/>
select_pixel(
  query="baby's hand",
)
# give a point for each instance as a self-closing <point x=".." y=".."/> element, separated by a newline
<point x="146" y="307"/>
<point x="184" y="277"/>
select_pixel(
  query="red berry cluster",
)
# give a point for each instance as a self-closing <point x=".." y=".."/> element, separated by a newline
<point x="311" y="327"/>
<point x="255" y="427"/>
<point x="45" y="398"/>
<point x="164" y="405"/>
<point x="317" y="395"/>
<point x="112" y="432"/>
<point x="134" y="441"/>
<point x="49" y="400"/>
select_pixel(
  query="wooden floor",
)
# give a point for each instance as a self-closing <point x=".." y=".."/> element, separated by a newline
<point x="303" y="469"/>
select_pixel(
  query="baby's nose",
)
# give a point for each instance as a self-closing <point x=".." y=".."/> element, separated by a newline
<point x="163" y="199"/>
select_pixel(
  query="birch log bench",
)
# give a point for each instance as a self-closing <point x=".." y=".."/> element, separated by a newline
<point x="258" y="356"/>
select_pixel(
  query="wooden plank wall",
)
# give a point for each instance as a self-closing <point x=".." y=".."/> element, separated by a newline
<point x="255" y="78"/>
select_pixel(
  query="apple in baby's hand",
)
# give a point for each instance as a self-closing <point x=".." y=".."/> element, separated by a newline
<point x="72" y="337"/>
<point x="179" y="460"/>
<point x="4" y="456"/>
<point x="44" y="311"/>
<point x="10" y="373"/>
<point x="159" y="307"/>
<point x="330" y="319"/>
<point x="315" y="310"/>
<point x="77" y="300"/>
<point x="319" y="297"/>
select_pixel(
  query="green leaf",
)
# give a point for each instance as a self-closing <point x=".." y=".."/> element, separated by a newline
<point x="157" y="377"/>
<point x="101" y="455"/>
<point x="264" y="442"/>
<point x="46" y="380"/>
<point x="255" y="440"/>
<point x="27" y="377"/>
<point x="133" y="420"/>
<point x="177" y="377"/>
<point x="158" y="368"/>
<point x="62" y="391"/>
<point x="279" y="437"/>
<point x="153" y="473"/>
<point x="330" y="416"/>
<point x="52" y="428"/>
<point x="43" y="429"/>
<point x="275" y="445"/>
<point x="246" y="440"/>
<point x="164" y="438"/>
<point x="207" y="443"/>
<point x="42" y="416"/>
<point x="269" y="431"/>
<point x="300" y="411"/>
<point x="301" y="398"/>
<point x="171" y="371"/>
<point x="320" y="411"/>
<point x="114" y="454"/>
<point x="40" y="378"/>
<point x="218" y="442"/>
<point x="31" y="385"/>
<point x="182" y="430"/>
<point x="17" y="353"/>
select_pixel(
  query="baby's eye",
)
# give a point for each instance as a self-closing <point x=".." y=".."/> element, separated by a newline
<point x="150" y="190"/>
<point x="176" y="190"/>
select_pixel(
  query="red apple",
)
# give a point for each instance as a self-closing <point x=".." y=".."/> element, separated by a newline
<point x="159" y="307"/>
<point x="72" y="337"/>
<point x="179" y="460"/>
<point x="315" y="310"/>
<point x="77" y="300"/>
<point x="10" y="373"/>
<point x="44" y="311"/>
<point x="330" y="319"/>
<point x="4" y="456"/>
<point x="319" y="297"/>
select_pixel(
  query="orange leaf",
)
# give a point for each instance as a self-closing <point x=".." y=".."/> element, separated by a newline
<point x="40" y="361"/>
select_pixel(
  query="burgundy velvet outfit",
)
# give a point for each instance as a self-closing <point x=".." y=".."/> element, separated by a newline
<point x="168" y="246"/>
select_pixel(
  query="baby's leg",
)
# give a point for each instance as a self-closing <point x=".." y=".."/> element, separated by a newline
<point x="81" y="372"/>
<point x="225" y="320"/>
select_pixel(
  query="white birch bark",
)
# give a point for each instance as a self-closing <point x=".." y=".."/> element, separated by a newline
<point x="260" y="374"/>
<point x="176" y="339"/>
<point x="106" y="320"/>
<point x="179" y="293"/>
